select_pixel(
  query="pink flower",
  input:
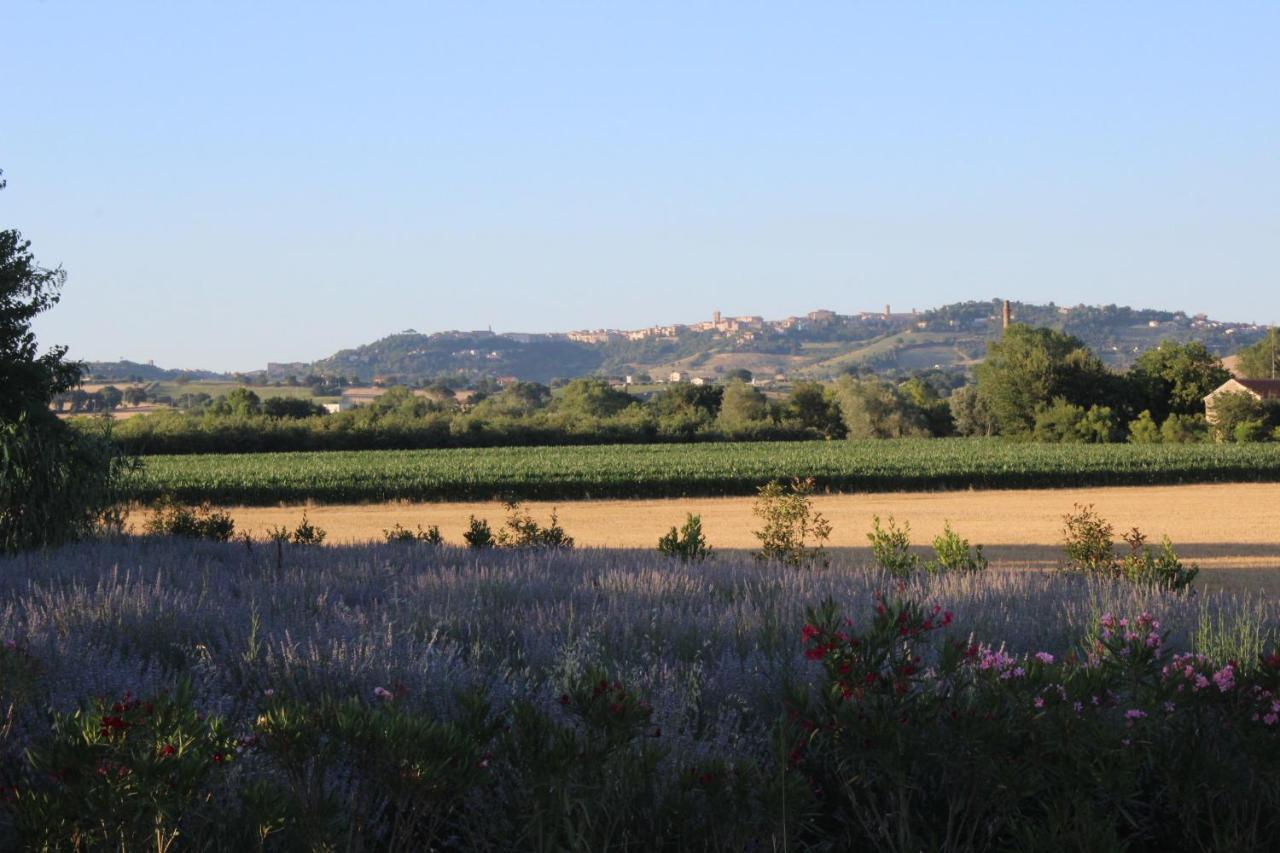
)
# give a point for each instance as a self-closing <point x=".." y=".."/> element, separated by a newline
<point x="1270" y="719"/>
<point x="383" y="694"/>
<point x="1134" y="714"/>
<point x="1044" y="657"/>
<point x="1225" y="678"/>
<point x="1038" y="702"/>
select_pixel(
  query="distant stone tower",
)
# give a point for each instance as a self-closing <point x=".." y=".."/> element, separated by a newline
<point x="1006" y="315"/>
<point x="715" y="317"/>
<point x="886" y="310"/>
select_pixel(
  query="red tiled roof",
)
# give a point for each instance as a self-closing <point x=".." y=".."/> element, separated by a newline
<point x="1265" y="388"/>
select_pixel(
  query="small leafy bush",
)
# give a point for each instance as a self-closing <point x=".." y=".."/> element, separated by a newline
<point x="687" y="544"/>
<point x="173" y="518"/>
<point x="305" y="533"/>
<point x="522" y="531"/>
<point x="892" y="547"/>
<point x="1087" y="540"/>
<point x="951" y="553"/>
<point x="1159" y="568"/>
<point x="400" y="533"/>
<point x="1089" y="549"/>
<point x="478" y="534"/>
<point x="793" y="532"/>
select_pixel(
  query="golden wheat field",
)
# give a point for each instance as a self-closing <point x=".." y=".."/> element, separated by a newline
<point x="1231" y="531"/>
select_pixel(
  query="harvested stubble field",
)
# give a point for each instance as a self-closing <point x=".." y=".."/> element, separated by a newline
<point x="1232" y="531"/>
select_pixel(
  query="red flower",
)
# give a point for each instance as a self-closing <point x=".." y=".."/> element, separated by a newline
<point x="808" y="632"/>
<point x="167" y="750"/>
<point x="564" y="698"/>
<point x="217" y="758"/>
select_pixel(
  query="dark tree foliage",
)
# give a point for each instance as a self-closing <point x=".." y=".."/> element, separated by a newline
<point x="1028" y="369"/>
<point x="54" y="484"/>
<point x="1262" y="360"/>
<point x="28" y="380"/>
<point x="1175" y="378"/>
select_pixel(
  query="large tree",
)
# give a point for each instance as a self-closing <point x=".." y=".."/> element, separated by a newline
<point x="1175" y="378"/>
<point x="1030" y="368"/>
<point x="28" y="379"/>
<point x="54" y="484"/>
<point x="1261" y="360"/>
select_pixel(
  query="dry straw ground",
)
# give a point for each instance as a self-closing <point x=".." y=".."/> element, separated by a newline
<point x="1232" y="531"/>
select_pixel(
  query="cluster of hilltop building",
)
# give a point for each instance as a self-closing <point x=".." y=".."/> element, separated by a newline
<point x="745" y="326"/>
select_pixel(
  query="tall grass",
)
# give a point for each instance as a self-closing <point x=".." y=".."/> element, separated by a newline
<point x="710" y="646"/>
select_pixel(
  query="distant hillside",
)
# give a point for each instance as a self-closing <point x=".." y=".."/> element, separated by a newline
<point x="411" y="355"/>
<point x="821" y="345"/>
<point x="132" y="371"/>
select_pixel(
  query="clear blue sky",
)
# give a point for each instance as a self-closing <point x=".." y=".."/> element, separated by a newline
<point x="230" y="183"/>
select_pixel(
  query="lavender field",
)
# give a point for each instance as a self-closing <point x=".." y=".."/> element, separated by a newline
<point x="708" y="649"/>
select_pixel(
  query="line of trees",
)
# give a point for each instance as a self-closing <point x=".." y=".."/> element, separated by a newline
<point x="1036" y="384"/>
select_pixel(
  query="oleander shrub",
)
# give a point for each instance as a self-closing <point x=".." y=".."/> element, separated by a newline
<point x="126" y="774"/>
<point x="915" y="743"/>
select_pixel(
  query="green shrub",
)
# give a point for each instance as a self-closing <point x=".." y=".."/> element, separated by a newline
<point x="1144" y="430"/>
<point x="1087" y="540"/>
<point x="953" y="554"/>
<point x="688" y="543"/>
<point x="400" y="533"/>
<point x="790" y="523"/>
<point x="173" y="518"/>
<point x="1089" y="549"/>
<point x="478" y="535"/>
<point x="307" y="533"/>
<point x="1150" y="567"/>
<point x="522" y="531"/>
<point x="892" y="547"/>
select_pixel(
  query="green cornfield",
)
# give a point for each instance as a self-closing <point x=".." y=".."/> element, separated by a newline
<point x="679" y="470"/>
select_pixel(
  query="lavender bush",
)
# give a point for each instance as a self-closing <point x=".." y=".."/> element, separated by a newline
<point x="498" y="657"/>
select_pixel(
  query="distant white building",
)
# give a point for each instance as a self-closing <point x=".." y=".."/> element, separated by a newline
<point x="677" y="376"/>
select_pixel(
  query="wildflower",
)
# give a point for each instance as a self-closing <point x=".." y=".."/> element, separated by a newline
<point x="564" y="699"/>
<point x="1044" y="658"/>
<point x="167" y="750"/>
<point x="1225" y="678"/>
<point x="808" y="632"/>
<point x="1134" y="714"/>
<point x="269" y="692"/>
<point x="1038" y="702"/>
<point x="382" y="693"/>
